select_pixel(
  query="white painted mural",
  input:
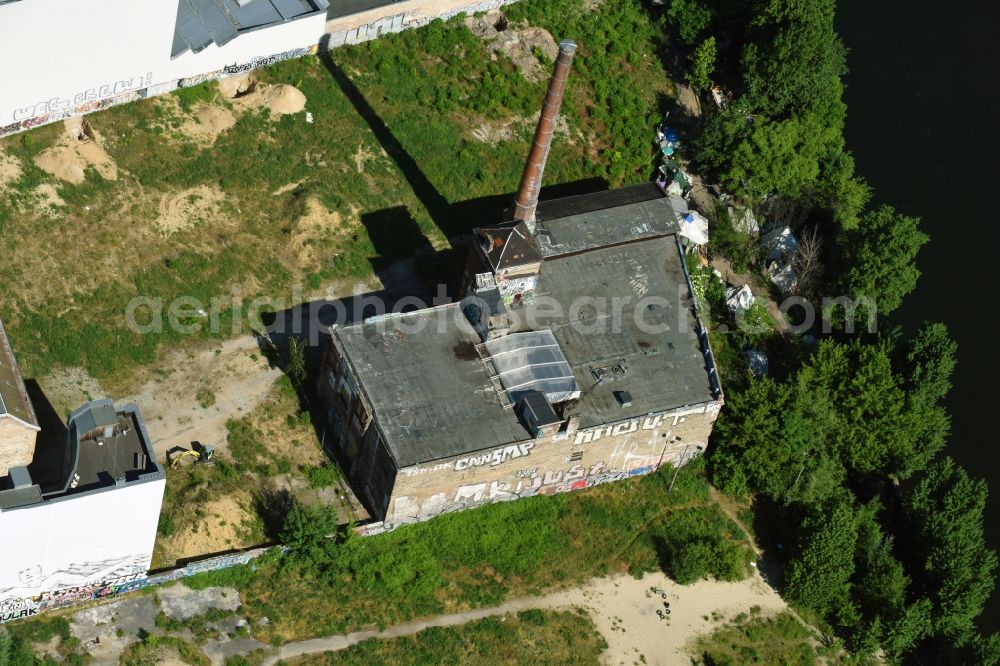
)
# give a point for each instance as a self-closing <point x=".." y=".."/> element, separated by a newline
<point x="58" y="549"/>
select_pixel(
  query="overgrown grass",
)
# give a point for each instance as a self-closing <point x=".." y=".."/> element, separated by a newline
<point x="754" y="639"/>
<point x="478" y="558"/>
<point x="427" y="89"/>
<point x="531" y="636"/>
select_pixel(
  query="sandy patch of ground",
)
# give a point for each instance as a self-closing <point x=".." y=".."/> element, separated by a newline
<point x="247" y="94"/>
<point x="240" y="380"/>
<point x="48" y="197"/>
<point x="494" y="132"/>
<point x="217" y="529"/>
<point x="314" y="226"/>
<point x="284" y="189"/>
<point x="521" y="46"/>
<point x="10" y="169"/>
<point x="624" y="611"/>
<point x="208" y="122"/>
<point x="622" y="608"/>
<point x="188" y="208"/>
<point x="79" y="149"/>
<point x="688" y="101"/>
<point x="236" y="86"/>
<point x="284" y="99"/>
<point x="364" y="155"/>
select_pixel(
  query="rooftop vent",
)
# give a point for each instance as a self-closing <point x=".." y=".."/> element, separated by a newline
<point x="19" y="477"/>
<point x="624" y="398"/>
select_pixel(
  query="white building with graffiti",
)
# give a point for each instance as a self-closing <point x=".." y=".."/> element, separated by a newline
<point x="78" y="520"/>
<point x="69" y="57"/>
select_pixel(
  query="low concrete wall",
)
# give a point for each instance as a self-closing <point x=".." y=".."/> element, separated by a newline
<point x="399" y="16"/>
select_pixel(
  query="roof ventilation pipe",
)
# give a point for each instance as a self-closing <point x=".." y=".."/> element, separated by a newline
<point x="531" y="179"/>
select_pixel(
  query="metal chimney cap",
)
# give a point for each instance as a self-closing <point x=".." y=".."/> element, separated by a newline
<point x="567" y="46"/>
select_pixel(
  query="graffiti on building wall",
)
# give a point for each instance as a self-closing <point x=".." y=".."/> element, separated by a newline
<point x="494" y="458"/>
<point x="630" y="460"/>
<point x="264" y="61"/>
<point x="59" y="107"/>
<point x="15" y="608"/>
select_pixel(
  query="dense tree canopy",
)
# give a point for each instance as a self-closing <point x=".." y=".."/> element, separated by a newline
<point x="945" y="516"/>
<point x="880" y="256"/>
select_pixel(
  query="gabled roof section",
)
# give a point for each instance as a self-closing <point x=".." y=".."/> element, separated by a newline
<point x="14" y="401"/>
<point x="508" y="245"/>
<point x="203" y="22"/>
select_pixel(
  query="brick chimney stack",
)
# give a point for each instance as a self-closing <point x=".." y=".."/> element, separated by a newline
<point x="531" y="180"/>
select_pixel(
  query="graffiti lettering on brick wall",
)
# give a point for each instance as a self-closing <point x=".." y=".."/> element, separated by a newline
<point x="494" y="458"/>
<point x="68" y="111"/>
<point x="623" y="428"/>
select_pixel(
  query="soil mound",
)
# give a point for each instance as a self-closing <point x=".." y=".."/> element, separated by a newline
<point x="79" y="149"/>
<point x="237" y="86"/>
<point x="284" y="99"/>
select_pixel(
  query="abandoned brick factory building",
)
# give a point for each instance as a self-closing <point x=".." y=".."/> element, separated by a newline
<point x="576" y="357"/>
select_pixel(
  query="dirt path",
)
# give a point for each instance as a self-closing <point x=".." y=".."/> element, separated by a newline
<point x="622" y="608"/>
<point x="189" y="395"/>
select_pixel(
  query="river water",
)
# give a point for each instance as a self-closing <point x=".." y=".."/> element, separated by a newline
<point x="923" y="114"/>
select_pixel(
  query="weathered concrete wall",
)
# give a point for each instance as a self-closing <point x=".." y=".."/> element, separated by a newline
<point x="553" y="465"/>
<point x="17" y="443"/>
<point x="400" y="16"/>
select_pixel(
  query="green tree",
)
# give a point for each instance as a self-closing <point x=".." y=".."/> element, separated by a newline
<point x="308" y="532"/>
<point x="699" y="76"/>
<point x="691" y="18"/>
<point x="930" y="361"/>
<point x="944" y="514"/>
<point x="819" y="575"/>
<point x="912" y="625"/>
<point x="793" y="59"/>
<point x="881" y="256"/>
<point x="297" y="362"/>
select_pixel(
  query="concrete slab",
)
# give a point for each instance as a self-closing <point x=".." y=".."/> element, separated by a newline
<point x="182" y="603"/>
<point x="109" y="628"/>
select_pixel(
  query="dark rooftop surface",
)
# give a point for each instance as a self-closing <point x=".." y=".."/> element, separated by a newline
<point x="123" y="455"/>
<point x="13" y="396"/>
<point x="202" y="22"/>
<point x="588" y="221"/>
<point x="117" y="451"/>
<point x="431" y="393"/>
<point x="663" y="367"/>
<point x="508" y="245"/>
<point x="434" y="397"/>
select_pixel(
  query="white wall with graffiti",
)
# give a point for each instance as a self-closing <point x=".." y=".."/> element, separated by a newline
<point x="58" y="551"/>
<point x="67" y="57"/>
